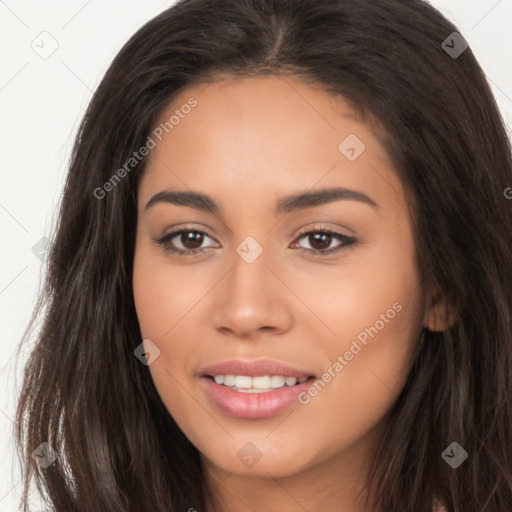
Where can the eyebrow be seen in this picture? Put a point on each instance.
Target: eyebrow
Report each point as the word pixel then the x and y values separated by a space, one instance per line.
pixel 287 204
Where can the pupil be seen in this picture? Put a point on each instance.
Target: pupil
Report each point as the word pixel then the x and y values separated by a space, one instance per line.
pixel 192 237
pixel 323 238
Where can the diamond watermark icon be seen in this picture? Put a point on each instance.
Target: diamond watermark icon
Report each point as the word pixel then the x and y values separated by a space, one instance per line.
pixel 454 45
pixel 249 249
pixel 44 455
pixel 249 454
pixel 40 248
pixel 454 455
pixel 45 45
pixel 147 352
pixel 351 147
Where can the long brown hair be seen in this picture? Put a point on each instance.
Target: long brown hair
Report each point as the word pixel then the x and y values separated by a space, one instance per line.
pixel 87 395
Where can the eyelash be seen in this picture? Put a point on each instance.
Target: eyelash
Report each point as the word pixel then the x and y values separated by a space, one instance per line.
pixel 348 242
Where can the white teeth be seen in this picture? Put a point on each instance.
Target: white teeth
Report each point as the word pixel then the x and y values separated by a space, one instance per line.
pixel 290 381
pixel 229 380
pixel 242 381
pixel 276 381
pixel 260 384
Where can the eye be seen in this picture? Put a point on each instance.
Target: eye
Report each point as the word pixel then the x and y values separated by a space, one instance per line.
pixel 320 242
pixel 184 242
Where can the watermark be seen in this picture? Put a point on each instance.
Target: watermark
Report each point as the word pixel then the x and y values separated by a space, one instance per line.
pixel 249 249
pixel 143 151
pixel 351 147
pixel 343 360
pixel 44 455
pixel 249 454
pixel 454 455
pixel 454 45
pixel 45 45
pixel 147 352
pixel 508 192
pixel 40 249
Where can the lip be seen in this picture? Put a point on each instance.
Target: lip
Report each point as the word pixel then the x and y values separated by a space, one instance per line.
pixel 252 405
pixel 257 368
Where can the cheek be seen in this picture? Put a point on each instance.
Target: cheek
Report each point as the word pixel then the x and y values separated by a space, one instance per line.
pixel 165 298
pixel 373 308
pixel 362 380
pixel 370 308
pixel 163 292
pixel 151 303
pixel 365 286
pixel 158 306
pixel 161 299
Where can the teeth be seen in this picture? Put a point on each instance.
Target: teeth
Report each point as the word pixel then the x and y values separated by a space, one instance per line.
pixel 276 381
pixel 242 381
pixel 260 384
pixel 229 380
pixel 290 381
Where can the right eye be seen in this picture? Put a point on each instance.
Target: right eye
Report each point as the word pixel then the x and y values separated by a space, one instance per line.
pixel 189 239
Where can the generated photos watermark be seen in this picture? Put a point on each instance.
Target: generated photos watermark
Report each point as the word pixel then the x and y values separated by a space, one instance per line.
pixel 343 360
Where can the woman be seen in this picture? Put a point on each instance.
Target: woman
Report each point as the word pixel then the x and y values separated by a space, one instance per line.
pixel 281 278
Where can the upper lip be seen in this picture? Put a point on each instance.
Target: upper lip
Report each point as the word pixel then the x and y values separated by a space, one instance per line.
pixel 253 369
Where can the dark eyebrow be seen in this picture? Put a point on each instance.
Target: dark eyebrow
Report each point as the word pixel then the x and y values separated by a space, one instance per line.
pixel 326 195
pixel 183 198
pixel 284 205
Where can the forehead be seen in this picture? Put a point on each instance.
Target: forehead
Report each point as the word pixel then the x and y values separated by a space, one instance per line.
pixel 264 133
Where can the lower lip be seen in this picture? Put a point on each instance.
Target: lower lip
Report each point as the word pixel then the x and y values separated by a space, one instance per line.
pixel 253 405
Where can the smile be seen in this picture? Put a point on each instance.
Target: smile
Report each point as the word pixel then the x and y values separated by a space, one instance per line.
pixel 252 402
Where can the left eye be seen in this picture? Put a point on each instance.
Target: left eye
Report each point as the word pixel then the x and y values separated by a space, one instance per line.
pixel 191 241
pixel 320 241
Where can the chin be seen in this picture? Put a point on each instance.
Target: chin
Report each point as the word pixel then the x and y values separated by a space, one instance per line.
pixel 258 456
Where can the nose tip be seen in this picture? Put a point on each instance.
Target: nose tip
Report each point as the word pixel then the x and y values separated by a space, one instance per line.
pixel 250 299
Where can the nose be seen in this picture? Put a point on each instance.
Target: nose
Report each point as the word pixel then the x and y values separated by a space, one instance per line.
pixel 251 298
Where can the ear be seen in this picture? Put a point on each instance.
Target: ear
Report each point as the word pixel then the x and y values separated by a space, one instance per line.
pixel 438 315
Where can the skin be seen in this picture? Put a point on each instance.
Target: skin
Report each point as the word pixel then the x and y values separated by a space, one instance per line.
pixel 247 143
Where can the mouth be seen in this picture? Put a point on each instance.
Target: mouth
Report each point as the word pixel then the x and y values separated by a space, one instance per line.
pixel 253 390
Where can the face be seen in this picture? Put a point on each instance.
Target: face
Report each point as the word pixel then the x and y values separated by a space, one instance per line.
pixel 300 263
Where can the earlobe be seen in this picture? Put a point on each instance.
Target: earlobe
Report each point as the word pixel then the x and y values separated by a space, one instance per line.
pixel 439 316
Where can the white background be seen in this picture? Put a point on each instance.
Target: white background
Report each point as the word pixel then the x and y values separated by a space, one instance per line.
pixel 41 103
